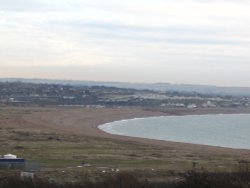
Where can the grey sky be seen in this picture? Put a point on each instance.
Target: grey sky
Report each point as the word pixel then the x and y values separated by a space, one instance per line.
pixel 177 41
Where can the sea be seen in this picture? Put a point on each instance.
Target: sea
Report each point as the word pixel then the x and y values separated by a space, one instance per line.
pixel 224 130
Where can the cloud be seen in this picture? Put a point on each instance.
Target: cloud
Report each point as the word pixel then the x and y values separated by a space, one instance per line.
pixel 174 34
pixel 24 5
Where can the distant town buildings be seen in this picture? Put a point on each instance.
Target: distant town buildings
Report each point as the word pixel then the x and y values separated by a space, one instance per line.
pixel 28 94
pixel 191 106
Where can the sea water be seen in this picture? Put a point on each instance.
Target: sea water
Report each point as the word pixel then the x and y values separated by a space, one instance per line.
pixel 225 130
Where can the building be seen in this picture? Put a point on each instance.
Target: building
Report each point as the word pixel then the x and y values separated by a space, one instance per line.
pixel 191 106
pixel 10 161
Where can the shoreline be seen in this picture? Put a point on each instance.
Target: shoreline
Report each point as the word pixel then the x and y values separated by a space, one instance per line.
pixel 85 122
pixel 108 128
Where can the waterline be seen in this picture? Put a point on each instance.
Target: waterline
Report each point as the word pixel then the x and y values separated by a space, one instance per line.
pixel 225 130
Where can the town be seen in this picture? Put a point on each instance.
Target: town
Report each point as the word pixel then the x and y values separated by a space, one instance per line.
pixel 31 94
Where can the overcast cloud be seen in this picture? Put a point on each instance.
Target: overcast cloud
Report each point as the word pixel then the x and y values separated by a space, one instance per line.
pixel 177 41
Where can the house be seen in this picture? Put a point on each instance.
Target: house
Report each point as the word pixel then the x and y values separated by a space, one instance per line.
pixel 191 106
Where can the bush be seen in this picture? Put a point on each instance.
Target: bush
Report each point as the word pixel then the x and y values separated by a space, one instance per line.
pixel 121 180
pixel 216 180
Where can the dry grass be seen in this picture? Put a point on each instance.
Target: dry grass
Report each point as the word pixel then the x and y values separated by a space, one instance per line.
pixel 60 154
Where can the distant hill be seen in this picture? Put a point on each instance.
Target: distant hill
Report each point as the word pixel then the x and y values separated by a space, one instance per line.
pixel 188 88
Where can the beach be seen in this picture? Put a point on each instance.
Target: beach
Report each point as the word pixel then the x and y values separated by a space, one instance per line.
pixel 85 122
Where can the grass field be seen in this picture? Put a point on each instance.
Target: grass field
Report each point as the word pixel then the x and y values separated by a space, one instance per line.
pixel 61 154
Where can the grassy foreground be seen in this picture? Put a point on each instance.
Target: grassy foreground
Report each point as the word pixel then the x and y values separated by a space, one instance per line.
pixel 68 157
pixel 125 180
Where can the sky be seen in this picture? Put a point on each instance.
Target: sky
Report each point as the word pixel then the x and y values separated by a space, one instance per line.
pixel 174 41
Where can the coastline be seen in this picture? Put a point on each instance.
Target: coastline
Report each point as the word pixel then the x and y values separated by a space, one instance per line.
pixel 129 130
pixel 85 122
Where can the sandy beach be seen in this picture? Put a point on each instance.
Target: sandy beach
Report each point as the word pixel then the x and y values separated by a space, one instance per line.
pixel 85 122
